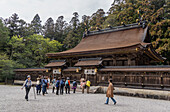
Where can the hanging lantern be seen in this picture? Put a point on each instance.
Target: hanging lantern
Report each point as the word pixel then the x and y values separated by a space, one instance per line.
pixel 59 69
pixel 137 49
pixel 95 70
pixel 77 70
pixel 46 70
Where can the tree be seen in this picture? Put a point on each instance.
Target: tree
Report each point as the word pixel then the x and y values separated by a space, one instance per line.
pixel 6 68
pixel 74 36
pixel 31 51
pixel 36 25
pixel 75 20
pixel 60 29
pixel 22 29
pixel 49 29
pixel 3 36
pixel 12 24
pixel 97 19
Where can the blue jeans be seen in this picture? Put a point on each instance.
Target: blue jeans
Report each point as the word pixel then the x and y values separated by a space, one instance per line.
pixel 107 101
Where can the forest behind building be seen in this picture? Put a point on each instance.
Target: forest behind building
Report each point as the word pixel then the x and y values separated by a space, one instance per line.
pixel 24 45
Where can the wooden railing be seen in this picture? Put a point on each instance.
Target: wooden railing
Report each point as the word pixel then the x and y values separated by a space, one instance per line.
pixel 160 81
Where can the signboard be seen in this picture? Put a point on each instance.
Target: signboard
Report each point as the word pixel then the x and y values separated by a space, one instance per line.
pixel 56 71
pixel 90 71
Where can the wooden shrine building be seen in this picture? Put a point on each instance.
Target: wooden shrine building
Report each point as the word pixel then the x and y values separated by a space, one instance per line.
pixel 123 53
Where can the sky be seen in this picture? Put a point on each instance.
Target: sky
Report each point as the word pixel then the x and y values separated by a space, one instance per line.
pixel 27 9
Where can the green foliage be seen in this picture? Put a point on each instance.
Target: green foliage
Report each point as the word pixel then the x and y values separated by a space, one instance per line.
pixel 6 67
pixel 36 26
pixel 30 51
pixel 75 34
pixel 49 29
pixel 98 19
pixel 61 29
pixel 3 36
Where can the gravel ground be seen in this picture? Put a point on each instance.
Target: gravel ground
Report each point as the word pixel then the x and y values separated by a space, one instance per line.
pixel 12 100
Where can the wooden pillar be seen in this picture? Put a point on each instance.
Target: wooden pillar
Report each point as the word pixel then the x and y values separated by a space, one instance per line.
pixel 129 61
pixel 142 76
pixel 114 60
pixel 125 79
pixel 161 80
pixel 129 58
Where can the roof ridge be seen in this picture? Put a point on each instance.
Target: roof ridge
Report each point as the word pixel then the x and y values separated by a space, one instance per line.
pixel 116 28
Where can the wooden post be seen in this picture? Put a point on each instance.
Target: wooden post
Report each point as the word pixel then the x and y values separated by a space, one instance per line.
pixel 129 59
pixel 162 80
pixel 143 79
pixel 114 60
pixel 125 80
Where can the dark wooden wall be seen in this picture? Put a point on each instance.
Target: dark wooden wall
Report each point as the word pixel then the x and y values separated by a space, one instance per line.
pixel 143 79
pixel 124 79
pixel 23 75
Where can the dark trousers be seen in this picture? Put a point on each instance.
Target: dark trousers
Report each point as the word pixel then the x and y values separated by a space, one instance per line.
pixel 27 89
pixel 44 89
pixel 74 90
pixel 53 89
pixel 68 89
pixel 38 87
pixel 61 90
pixel 57 90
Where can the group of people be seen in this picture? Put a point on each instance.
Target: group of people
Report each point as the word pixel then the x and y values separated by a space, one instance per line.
pixel 42 82
pixel 60 83
pixel 85 84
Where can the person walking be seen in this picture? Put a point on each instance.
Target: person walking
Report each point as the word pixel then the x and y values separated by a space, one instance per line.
pixel 83 85
pixel 57 86
pixel 88 86
pixel 61 86
pixel 74 86
pixel 67 85
pixel 54 84
pixel 109 93
pixel 27 84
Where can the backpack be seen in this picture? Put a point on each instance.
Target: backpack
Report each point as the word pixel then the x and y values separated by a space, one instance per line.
pixel 61 83
pixel 74 83
pixel 57 84
pixel 67 82
pixel 26 82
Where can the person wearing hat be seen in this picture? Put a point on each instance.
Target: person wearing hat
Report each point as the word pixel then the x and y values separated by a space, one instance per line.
pixel 27 84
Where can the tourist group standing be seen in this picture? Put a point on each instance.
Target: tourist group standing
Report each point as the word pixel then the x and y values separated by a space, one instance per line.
pixel 60 83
